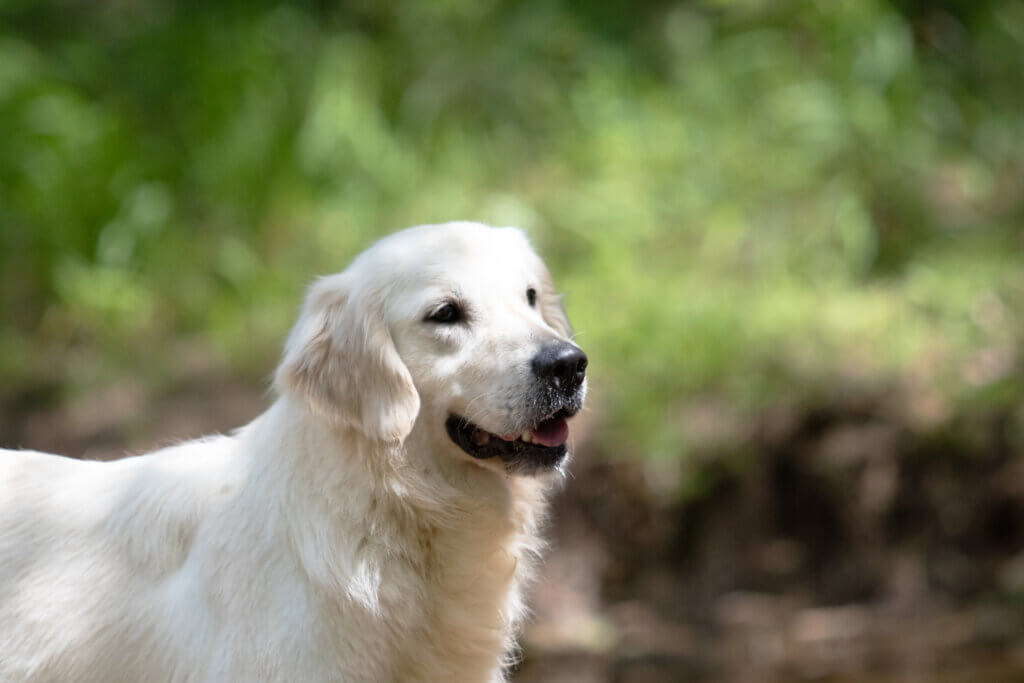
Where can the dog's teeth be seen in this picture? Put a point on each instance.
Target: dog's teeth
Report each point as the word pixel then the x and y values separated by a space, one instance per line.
pixel 480 437
pixel 527 436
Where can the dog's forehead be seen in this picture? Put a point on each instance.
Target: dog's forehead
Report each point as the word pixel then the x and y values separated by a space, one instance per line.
pixel 453 253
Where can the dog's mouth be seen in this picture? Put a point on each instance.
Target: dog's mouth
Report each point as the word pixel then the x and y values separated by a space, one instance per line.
pixel 541 447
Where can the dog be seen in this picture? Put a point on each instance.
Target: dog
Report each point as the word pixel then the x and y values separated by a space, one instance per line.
pixel 379 522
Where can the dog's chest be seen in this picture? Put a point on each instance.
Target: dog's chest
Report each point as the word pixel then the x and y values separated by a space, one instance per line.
pixel 455 602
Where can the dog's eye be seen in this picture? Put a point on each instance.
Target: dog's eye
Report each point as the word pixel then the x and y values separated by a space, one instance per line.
pixel 531 296
pixel 449 314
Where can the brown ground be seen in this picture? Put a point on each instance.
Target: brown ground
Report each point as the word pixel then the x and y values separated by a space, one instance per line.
pixel 844 550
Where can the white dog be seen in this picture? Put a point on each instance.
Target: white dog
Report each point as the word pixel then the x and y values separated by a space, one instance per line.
pixel 377 523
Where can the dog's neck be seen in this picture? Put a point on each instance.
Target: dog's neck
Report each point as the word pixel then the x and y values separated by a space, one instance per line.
pixel 445 550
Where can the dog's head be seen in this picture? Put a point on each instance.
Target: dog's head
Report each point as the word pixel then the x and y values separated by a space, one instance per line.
pixel 456 329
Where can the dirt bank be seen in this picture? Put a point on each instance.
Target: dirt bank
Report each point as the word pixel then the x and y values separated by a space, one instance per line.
pixel 838 546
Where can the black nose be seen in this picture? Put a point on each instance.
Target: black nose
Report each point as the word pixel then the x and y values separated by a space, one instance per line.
pixel 563 364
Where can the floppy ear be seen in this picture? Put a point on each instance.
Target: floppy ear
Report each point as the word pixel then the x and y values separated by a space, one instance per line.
pixel 551 308
pixel 341 359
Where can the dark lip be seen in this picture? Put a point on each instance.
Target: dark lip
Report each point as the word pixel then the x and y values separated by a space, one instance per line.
pixel 517 455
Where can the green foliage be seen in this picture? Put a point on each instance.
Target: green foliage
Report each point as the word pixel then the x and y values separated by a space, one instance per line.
pixel 757 202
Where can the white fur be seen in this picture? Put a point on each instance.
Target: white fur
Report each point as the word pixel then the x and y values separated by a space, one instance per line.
pixel 341 535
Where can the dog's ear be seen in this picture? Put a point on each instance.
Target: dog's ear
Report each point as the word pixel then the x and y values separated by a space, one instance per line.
pixel 341 359
pixel 551 308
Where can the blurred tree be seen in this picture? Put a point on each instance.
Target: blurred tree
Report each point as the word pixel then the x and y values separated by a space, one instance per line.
pixel 750 202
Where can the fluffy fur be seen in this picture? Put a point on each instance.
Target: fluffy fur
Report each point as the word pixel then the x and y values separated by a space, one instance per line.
pixel 341 535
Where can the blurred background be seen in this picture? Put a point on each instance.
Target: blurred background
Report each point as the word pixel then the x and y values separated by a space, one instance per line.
pixel 789 233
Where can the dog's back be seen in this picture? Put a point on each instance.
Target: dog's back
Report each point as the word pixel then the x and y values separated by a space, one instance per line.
pixel 181 565
pixel 90 555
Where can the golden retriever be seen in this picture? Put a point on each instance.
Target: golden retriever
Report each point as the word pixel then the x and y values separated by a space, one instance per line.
pixel 376 523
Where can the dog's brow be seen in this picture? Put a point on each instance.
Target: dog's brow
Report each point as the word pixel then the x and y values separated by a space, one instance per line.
pixel 447 292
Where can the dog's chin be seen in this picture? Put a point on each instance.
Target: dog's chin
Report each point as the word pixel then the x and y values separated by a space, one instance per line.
pixel 540 449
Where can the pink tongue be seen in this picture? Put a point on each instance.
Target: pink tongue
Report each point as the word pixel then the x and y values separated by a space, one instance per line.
pixel 553 432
